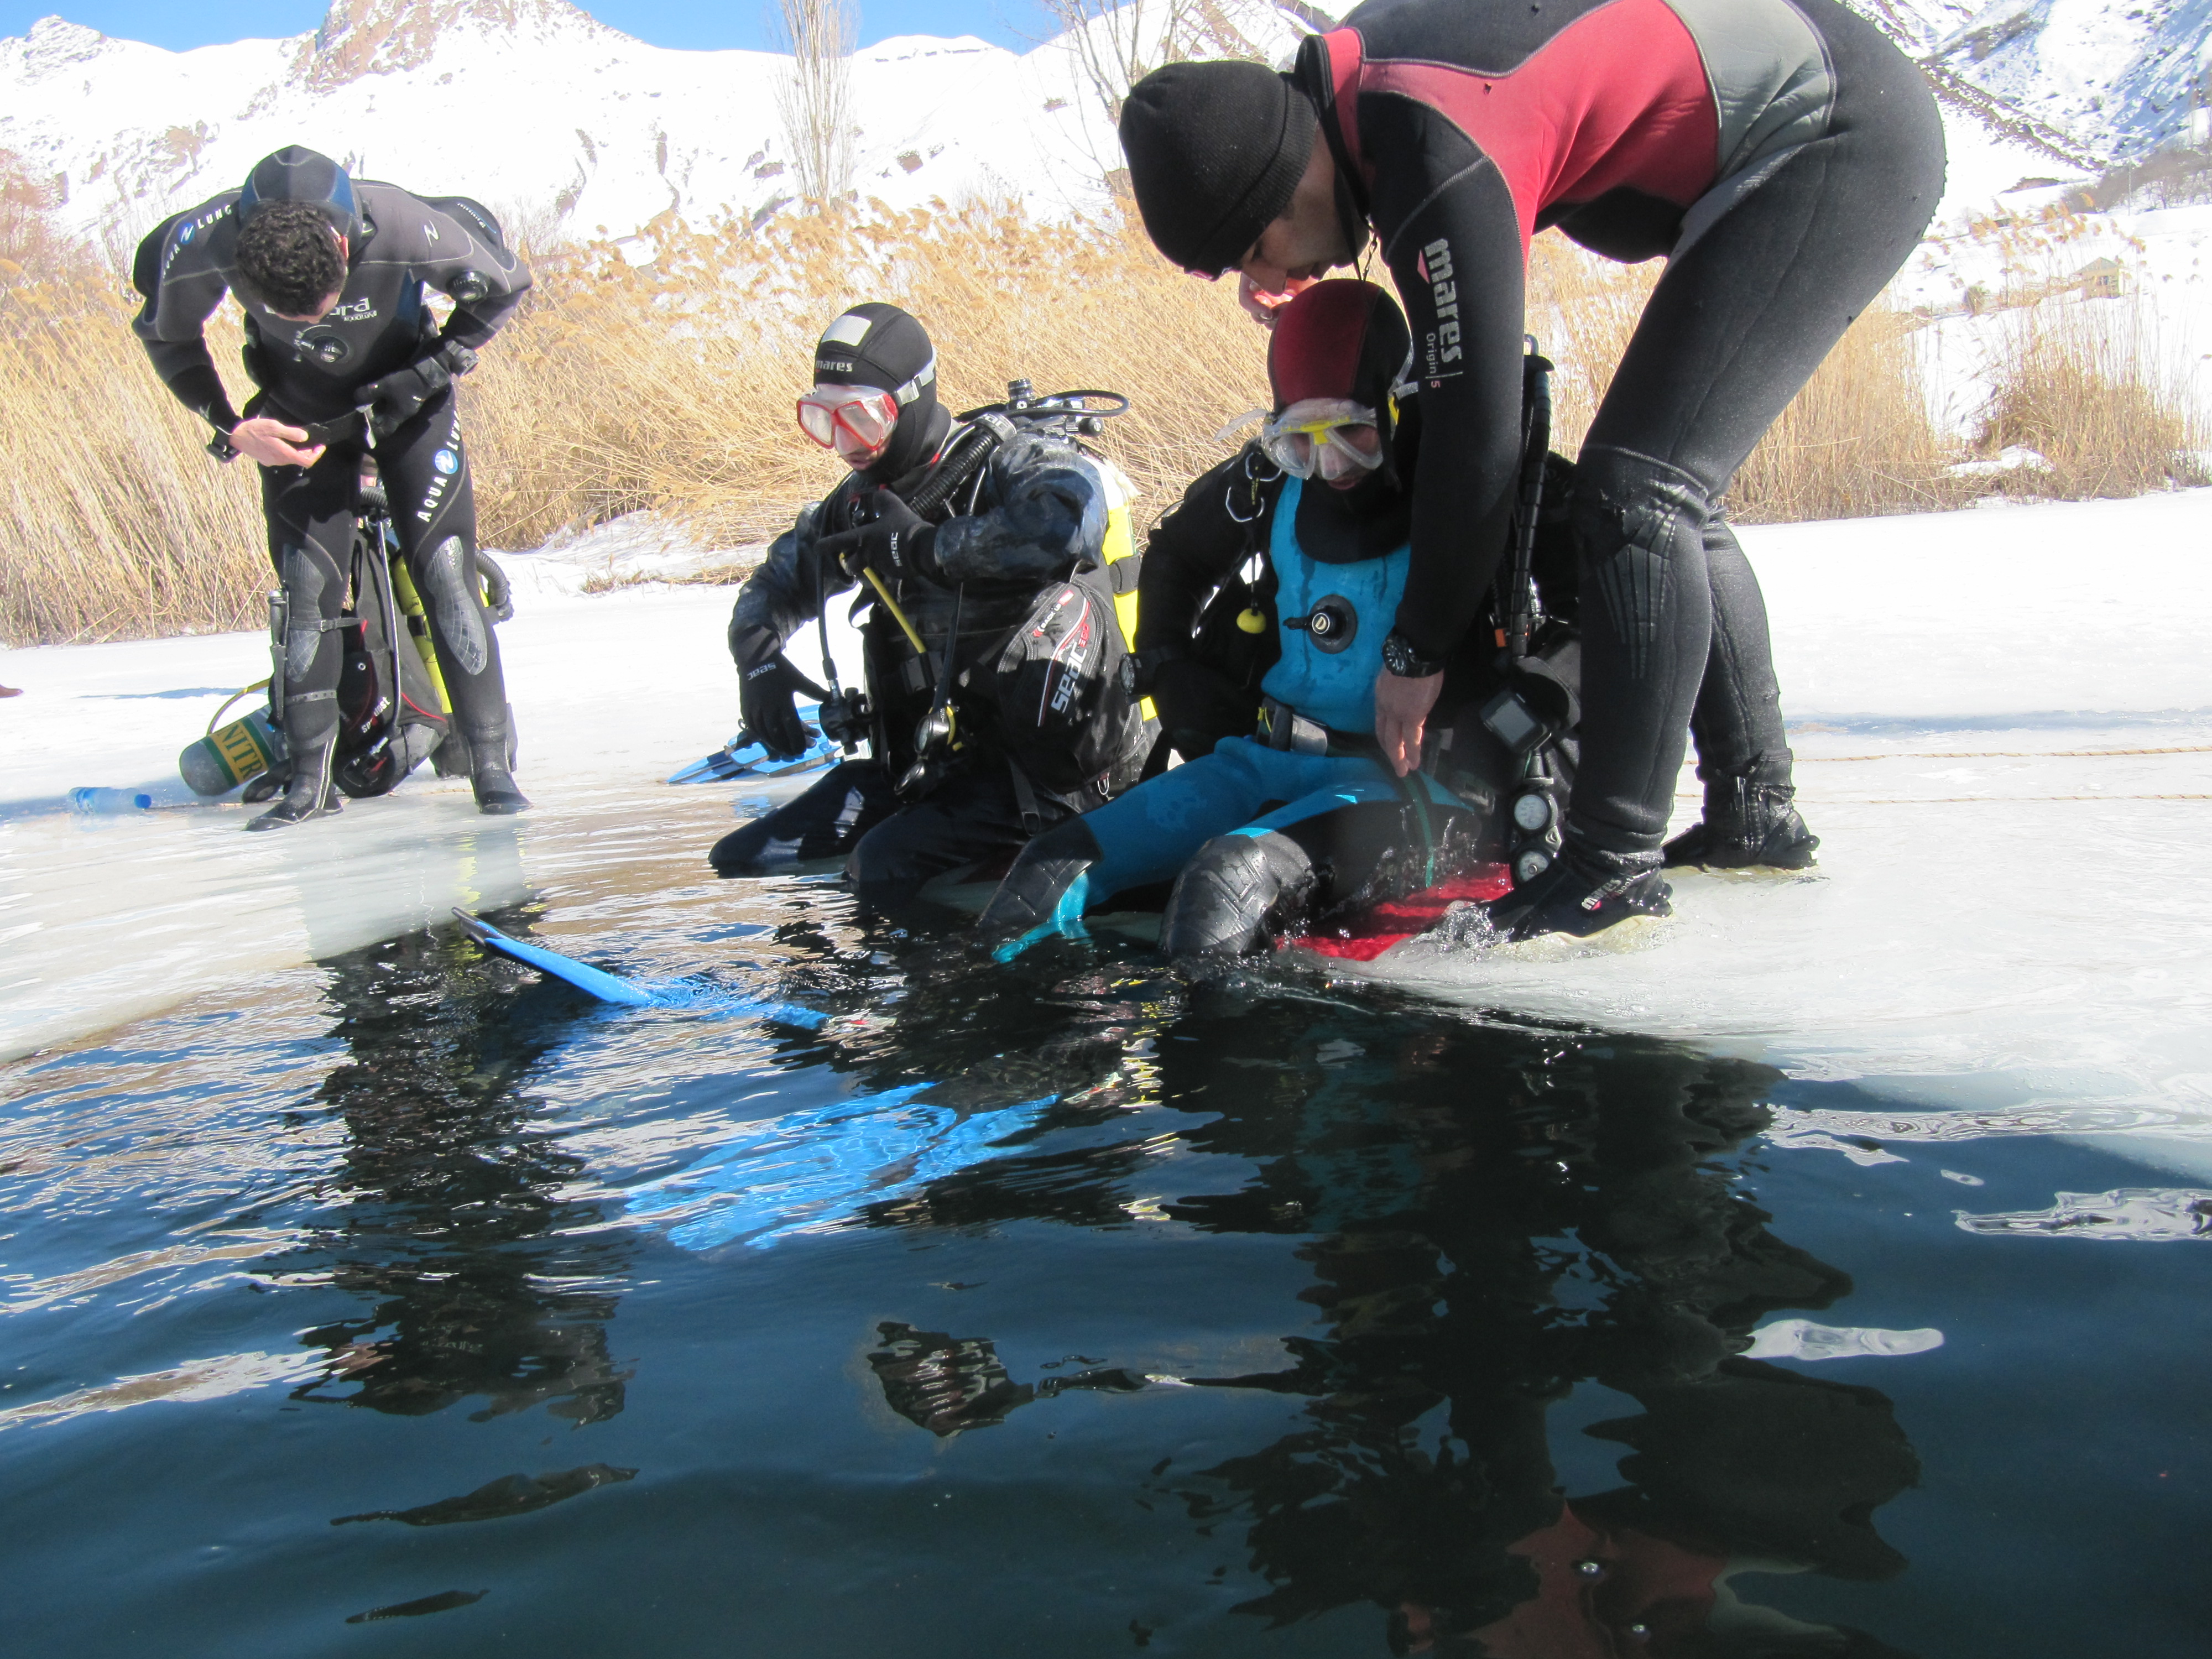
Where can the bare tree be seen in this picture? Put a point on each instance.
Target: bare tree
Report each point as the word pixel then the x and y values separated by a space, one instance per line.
pixel 817 102
pixel 1119 42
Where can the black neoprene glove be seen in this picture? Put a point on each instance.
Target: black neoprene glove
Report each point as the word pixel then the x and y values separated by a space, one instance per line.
pixel 899 543
pixel 766 686
pixel 396 399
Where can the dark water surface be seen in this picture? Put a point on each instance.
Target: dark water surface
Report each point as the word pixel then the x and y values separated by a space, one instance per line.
pixel 416 1306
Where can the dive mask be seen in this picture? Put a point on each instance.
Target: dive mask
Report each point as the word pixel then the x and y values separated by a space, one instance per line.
pixel 862 416
pixel 1331 437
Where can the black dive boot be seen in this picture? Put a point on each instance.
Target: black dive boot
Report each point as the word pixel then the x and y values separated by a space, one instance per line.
pixel 310 793
pixel 1583 893
pixel 1746 826
pixel 1043 893
pixel 496 795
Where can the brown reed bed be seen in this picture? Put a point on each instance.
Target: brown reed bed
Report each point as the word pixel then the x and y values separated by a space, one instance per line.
pixel 657 375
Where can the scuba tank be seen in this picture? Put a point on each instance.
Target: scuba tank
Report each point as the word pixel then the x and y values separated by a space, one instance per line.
pixel 230 755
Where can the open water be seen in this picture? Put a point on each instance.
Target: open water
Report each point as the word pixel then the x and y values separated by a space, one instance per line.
pixel 406 1303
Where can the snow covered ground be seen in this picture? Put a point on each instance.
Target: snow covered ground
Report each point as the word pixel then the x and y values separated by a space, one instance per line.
pixel 2007 914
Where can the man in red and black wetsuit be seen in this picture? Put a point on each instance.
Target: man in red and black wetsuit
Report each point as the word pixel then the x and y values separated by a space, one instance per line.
pixel 1784 159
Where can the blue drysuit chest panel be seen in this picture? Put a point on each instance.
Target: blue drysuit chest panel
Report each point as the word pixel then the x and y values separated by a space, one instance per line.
pixel 1335 687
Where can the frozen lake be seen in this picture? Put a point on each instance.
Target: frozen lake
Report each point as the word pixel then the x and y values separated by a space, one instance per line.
pixel 1747 1290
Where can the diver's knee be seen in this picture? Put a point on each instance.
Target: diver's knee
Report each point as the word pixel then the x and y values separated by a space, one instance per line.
pixel 449 572
pixel 1235 893
pixel 745 851
pixel 1623 499
pixel 1032 889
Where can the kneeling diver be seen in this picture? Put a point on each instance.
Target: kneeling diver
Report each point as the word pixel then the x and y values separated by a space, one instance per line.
pixel 964 532
pixel 1291 813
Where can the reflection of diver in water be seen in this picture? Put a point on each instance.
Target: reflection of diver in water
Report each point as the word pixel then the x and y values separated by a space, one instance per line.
pixel 449 1218
pixel 1478 1252
pixel 1572 1227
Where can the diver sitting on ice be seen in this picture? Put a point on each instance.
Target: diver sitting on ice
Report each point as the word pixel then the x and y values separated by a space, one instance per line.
pixel 992 553
pixel 1300 540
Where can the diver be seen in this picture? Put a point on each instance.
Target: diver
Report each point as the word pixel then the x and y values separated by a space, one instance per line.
pixel 1283 811
pixel 334 276
pixel 1782 156
pixel 970 537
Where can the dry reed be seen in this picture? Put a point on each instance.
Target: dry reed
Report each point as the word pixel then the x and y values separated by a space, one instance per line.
pixel 2082 384
pixel 1857 441
pixel 657 375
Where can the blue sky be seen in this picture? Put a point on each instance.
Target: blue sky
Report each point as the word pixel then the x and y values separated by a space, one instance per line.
pixel 694 24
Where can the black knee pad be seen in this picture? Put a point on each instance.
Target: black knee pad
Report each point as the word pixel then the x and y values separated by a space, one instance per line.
pixel 1633 518
pixel 1045 868
pixel 448 571
pixel 1235 895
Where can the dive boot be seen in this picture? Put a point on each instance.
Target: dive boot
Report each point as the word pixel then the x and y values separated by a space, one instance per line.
pixel 489 774
pixel 1746 826
pixel 1583 893
pixel 310 793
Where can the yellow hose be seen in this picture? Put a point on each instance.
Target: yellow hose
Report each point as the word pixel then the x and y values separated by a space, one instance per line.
pixel 897 615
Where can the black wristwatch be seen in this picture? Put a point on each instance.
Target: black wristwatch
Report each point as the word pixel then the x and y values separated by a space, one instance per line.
pixel 1400 657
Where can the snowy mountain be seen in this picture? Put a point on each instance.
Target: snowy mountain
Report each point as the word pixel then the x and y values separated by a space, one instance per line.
pixel 539 110
pixel 556 120
pixel 2114 80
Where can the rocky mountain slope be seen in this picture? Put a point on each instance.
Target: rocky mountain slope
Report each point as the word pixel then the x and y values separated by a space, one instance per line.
pixel 553 117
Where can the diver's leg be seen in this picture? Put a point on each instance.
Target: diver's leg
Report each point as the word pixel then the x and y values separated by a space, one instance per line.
pixel 1359 840
pixel 825 822
pixel 310 517
pixel 1733 331
pixel 971 816
pixel 1743 753
pixel 1141 836
pixel 426 474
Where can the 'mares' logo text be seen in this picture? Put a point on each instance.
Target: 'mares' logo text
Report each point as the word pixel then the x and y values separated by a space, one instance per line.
pixel 1442 341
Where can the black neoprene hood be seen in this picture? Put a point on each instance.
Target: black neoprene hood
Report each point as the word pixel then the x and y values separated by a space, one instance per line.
pixel 296 174
pixel 1216 151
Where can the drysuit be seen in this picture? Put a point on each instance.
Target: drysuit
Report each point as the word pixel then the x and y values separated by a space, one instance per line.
pixel 1782 156
pixel 1034 515
pixel 380 350
pixel 1284 810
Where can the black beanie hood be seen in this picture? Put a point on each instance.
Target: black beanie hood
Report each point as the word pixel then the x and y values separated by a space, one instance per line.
pixel 881 346
pixel 296 174
pixel 1216 151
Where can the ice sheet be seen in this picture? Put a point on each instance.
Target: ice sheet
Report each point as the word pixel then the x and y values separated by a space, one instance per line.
pixel 1999 918
pixel 108 918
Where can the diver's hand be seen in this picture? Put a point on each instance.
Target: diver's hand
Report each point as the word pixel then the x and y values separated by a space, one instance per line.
pixel 272 443
pixel 899 543
pixel 1402 709
pixel 1261 304
pixel 767 688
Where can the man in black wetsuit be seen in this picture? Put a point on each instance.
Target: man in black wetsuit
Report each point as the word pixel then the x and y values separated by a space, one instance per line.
pixel 1782 156
pixel 968 569
pixel 334 277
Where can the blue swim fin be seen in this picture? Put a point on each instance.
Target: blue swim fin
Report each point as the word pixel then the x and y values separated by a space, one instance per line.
pixel 601 984
pixel 742 757
pixel 629 994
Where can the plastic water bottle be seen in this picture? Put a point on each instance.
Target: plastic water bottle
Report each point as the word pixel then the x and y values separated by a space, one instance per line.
pixel 108 803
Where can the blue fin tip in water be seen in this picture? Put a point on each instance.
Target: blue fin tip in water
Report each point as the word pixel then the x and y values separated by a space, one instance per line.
pixel 629 994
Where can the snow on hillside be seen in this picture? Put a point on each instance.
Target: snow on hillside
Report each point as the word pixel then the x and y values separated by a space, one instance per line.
pixel 540 112
pixel 2115 80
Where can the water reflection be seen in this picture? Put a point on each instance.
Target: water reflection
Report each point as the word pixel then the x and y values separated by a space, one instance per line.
pixel 1493 1218
pixel 444 1213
